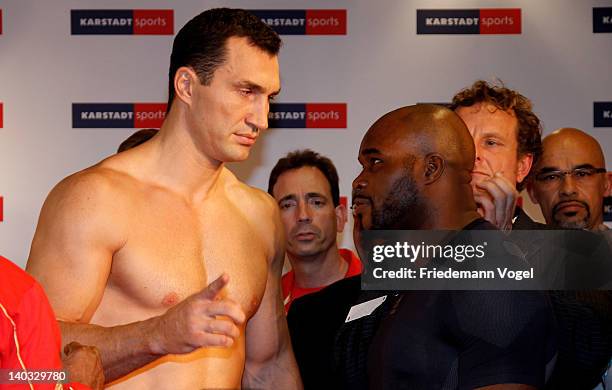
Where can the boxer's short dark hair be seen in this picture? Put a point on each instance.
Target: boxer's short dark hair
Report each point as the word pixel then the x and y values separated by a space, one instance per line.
pixel 201 43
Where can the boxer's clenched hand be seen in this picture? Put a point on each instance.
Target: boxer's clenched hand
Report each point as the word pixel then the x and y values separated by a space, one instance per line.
pixel 496 198
pixel 83 365
pixel 202 320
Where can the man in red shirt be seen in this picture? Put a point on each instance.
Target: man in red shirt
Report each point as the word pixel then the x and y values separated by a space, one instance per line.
pixel 30 338
pixel 305 185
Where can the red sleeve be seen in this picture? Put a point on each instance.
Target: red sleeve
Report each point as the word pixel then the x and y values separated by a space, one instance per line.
pixel 76 386
pixel 38 332
pixel 39 338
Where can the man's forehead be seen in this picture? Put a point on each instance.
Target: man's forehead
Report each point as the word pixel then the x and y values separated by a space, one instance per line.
pixel 252 64
pixel 568 153
pixel 308 177
pixel 568 159
pixel 384 136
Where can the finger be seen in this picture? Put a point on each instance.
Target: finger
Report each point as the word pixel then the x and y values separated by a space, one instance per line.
pixel 508 188
pixel 496 194
pixel 503 196
pixel 223 327
pixel 71 348
pixel 511 194
pixel 487 206
pixel 215 340
pixel 94 350
pixel 213 289
pixel 504 183
pixel 480 210
pixel 227 308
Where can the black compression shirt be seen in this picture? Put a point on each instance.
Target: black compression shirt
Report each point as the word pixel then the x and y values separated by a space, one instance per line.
pixel 447 339
pixel 461 340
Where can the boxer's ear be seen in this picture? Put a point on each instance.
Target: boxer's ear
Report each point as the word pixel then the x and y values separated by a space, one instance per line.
pixel 185 79
pixel 434 167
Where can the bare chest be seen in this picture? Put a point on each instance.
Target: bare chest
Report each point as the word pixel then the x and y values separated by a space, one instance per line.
pixel 173 252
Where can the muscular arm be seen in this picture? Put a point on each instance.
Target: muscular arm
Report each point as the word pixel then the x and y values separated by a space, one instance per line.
pixel 270 363
pixel 71 255
pixel 123 349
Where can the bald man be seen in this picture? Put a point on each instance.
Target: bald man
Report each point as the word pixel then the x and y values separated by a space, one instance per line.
pixel 571 181
pixel 416 172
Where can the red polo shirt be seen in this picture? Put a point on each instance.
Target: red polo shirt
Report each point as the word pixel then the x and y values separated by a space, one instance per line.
pixel 29 335
pixel 291 291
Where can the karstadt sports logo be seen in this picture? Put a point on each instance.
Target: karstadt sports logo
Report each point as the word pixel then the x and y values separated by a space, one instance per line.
pixel 469 21
pixel 307 116
pixel 305 22
pixel 602 20
pixel 118 115
pixel 122 22
pixel 602 114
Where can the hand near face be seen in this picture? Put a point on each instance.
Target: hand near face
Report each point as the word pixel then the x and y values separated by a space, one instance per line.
pixel 83 365
pixel 496 199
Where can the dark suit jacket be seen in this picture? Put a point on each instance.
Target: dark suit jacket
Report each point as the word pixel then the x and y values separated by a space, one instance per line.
pixel 583 319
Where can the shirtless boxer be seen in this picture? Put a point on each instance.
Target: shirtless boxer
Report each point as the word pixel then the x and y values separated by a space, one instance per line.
pixel 158 255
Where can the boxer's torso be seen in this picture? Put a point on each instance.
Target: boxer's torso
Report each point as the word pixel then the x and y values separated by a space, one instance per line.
pixel 175 247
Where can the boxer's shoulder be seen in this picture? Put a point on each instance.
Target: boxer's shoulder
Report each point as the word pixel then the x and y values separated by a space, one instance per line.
pixel 95 197
pixel 259 208
pixel 94 183
pixel 257 203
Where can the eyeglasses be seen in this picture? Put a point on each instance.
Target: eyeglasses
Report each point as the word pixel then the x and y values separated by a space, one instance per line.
pixel 580 175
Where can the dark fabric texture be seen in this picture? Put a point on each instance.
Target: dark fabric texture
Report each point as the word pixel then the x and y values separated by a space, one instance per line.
pixel 583 318
pixel 314 320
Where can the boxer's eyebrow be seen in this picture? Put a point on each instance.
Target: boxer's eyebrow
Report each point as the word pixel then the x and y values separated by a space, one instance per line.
pixel 369 151
pixel 256 87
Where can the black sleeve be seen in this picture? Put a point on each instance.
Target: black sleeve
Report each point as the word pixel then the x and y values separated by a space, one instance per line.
pixel 503 336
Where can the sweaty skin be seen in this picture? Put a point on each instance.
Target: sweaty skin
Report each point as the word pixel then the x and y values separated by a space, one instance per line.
pixel 162 259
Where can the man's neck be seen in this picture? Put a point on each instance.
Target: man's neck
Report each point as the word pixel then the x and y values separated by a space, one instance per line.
pixel 179 165
pixel 452 212
pixel 320 270
pixel 451 221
